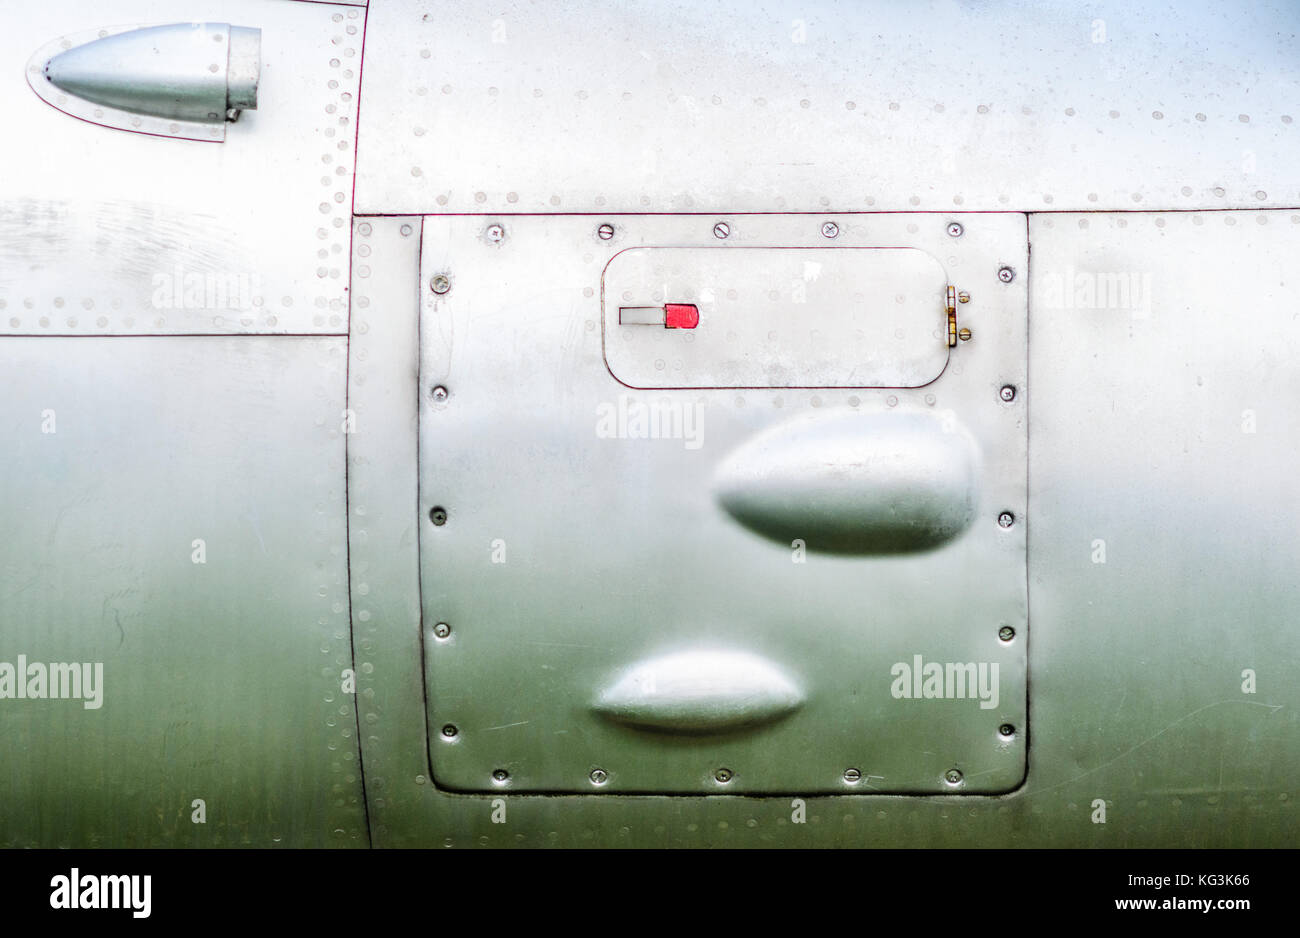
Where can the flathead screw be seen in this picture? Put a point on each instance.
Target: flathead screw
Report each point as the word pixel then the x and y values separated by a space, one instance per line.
pixel 1006 633
pixel 495 233
pixel 955 230
pixel 963 297
pixel 952 777
pixel 500 775
pixel 1006 274
pixel 450 731
pixel 1006 519
pixel 605 232
pixel 440 284
pixel 830 229
pixel 723 776
pixel 441 630
pixel 721 230
pixel 1006 729
pixel 964 334
pixel 598 777
pixel 1008 393
pixel 439 394
pixel 438 516
pixel 852 775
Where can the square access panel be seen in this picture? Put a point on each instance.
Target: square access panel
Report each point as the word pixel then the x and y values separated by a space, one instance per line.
pixel 739 514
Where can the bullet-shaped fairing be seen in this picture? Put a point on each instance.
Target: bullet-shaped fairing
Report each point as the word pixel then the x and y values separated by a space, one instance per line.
pixel 887 483
pixel 183 71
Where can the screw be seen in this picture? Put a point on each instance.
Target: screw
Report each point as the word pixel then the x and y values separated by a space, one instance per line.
pixel 438 516
pixel 495 233
pixel 1006 274
pixel 598 777
pixel 955 229
pixel 439 393
pixel 1008 393
pixel 450 731
pixel 963 297
pixel 852 775
pixel 500 775
pixel 952 776
pixel 830 229
pixel 1006 633
pixel 721 230
pixel 964 335
pixel 440 283
pixel 442 630
pixel 1006 519
pixel 723 775
pixel 605 231
pixel 1006 729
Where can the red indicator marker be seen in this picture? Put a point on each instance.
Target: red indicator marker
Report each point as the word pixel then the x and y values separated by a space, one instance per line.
pixel 681 316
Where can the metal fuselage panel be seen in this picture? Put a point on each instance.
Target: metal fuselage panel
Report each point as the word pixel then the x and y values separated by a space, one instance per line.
pixel 241 528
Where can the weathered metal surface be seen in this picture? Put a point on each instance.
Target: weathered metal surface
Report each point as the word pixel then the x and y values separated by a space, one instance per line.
pixel 1160 532
pixel 572 532
pixel 111 233
pixel 174 515
pixel 1134 711
pixel 645 106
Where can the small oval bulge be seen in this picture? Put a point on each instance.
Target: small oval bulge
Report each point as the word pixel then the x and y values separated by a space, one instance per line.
pixel 699 692
pixel 850 483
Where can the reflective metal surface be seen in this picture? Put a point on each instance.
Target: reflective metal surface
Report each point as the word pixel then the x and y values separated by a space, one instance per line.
pixel 574 533
pixel 764 615
pixel 196 551
pixel 111 233
pixel 943 105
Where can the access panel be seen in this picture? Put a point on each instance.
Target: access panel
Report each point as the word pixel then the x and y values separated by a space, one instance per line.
pixel 775 317
pixel 746 578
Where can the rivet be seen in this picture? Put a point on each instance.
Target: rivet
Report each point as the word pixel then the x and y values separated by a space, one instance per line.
pixel 605 231
pixel 450 731
pixel 1008 393
pixel 1006 519
pixel 963 297
pixel 599 776
pixel 438 516
pixel 495 233
pixel 439 393
pixel 952 776
pixel 1006 274
pixel 721 230
pixel 830 229
pixel 442 630
pixel 500 775
pixel 1006 633
pixel 1006 729
pixel 852 775
pixel 441 283
pixel 964 334
pixel 955 229
pixel 723 775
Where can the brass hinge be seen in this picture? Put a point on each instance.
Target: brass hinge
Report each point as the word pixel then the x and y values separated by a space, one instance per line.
pixel 953 299
pixel 952 316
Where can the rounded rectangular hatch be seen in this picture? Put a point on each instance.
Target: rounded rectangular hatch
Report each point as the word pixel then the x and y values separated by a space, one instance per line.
pixel 737 317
